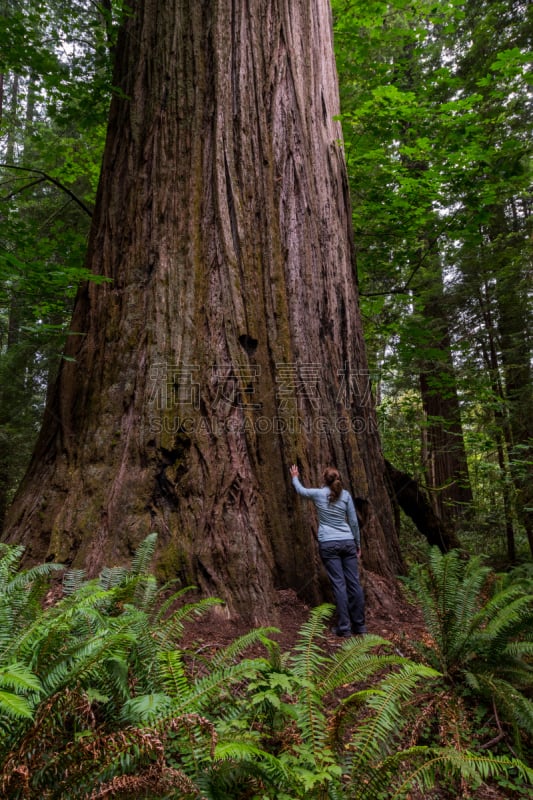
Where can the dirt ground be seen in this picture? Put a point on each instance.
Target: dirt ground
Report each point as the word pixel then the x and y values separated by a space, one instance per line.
pixel 388 614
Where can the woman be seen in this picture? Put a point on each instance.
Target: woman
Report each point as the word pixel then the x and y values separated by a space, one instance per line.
pixel 339 545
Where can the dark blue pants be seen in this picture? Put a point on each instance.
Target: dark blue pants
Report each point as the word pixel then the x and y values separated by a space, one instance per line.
pixel 340 560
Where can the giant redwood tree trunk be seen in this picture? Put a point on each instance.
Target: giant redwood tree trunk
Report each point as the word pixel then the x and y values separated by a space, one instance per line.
pixel 227 343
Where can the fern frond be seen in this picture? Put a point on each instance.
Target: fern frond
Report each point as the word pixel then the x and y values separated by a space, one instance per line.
pixel 382 776
pixel 42 641
pixel 25 578
pixel 163 607
pixel 144 554
pixel 420 767
pixel 111 577
pixel 521 576
pixel 505 617
pixel 306 662
pixel 96 759
pixel 459 591
pixel 353 662
pixel 7 628
pixel 17 676
pixel 10 557
pixel 13 706
pixel 112 680
pixel 190 741
pixel 156 780
pixel 522 651
pixel 88 598
pixel 462 764
pixel 145 593
pixel 238 646
pixel 73 580
pixel 513 704
pixel 472 577
pixel 21 599
pixel 257 762
pixel 83 662
pixel 146 709
pixel 385 703
pixel 347 713
pixel 482 629
pixel 216 687
pixel 275 657
pixel 168 632
pixel 308 657
pixel 173 677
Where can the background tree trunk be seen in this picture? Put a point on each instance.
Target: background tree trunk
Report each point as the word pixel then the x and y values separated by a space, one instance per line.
pixel 446 466
pixel 514 326
pixel 414 501
pixel 227 343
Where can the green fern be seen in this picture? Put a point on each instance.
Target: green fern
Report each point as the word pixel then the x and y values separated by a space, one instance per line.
pixel 144 554
pixel 308 656
pixel 237 760
pixel 173 676
pixel 386 702
pixel 460 766
pixel 73 580
pixel 306 663
pixel 168 625
pixel 421 768
pixel 227 655
pixel 482 633
pixel 359 756
pixel 22 593
pixel 297 692
pixel 356 661
pixel 101 699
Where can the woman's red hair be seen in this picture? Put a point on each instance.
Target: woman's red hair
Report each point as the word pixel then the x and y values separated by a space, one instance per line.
pixel 332 479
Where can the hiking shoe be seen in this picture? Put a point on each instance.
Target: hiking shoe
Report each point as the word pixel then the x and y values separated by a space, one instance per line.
pixel 342 634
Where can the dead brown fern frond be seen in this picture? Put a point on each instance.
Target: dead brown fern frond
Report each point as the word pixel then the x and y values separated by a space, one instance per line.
pixel 158 778
pixel 55 718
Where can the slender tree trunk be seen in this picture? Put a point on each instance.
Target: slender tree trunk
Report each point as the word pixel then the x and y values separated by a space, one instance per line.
pixel 2 82
pixel 14 387
pixel 13 112
pixel 227 343
pixel 9 392
pixel 4 5
pixel 514 326
pixel 502 434
pixel 446 465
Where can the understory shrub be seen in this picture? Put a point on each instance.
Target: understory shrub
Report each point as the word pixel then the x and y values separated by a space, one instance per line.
pixel 99 699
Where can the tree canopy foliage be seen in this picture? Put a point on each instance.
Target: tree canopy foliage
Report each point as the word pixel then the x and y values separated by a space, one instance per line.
pixel 55 68
pixel 437 118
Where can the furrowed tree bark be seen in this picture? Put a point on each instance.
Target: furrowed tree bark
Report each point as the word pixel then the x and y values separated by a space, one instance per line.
pixel 227 343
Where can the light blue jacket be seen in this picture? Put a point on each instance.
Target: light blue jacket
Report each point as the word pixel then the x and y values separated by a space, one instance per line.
pixel 335 520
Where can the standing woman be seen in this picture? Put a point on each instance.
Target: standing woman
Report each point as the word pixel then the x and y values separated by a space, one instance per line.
pixel 339 545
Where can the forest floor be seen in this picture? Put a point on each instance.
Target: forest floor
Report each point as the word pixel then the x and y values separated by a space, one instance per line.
pixel 389 615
